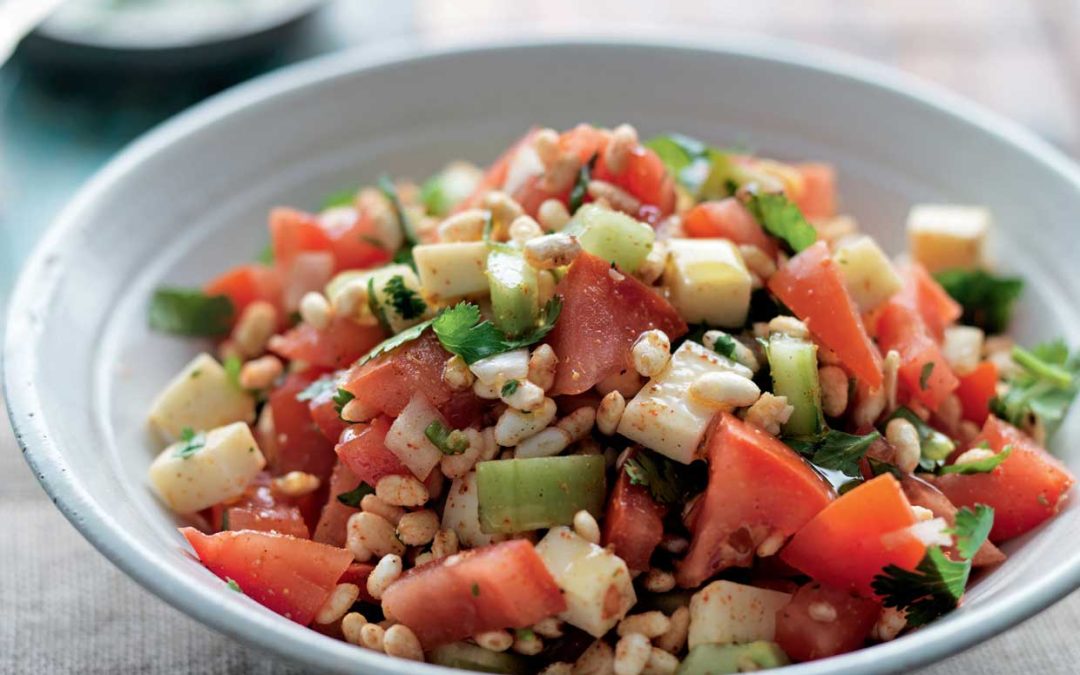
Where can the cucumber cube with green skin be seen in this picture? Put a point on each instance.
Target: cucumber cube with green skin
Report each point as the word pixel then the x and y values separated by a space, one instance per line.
pixel 518 495
pixel 612 235
pixel 794 367
pixel 515 291
pixel 446 189
pixel 466 656
pixel 710 659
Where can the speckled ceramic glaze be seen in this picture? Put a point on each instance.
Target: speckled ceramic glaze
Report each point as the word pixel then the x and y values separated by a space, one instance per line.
pixel 190 199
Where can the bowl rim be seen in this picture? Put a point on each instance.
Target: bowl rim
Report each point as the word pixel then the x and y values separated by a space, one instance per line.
pixel 39 275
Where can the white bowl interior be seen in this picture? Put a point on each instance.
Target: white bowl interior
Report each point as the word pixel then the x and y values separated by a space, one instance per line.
pixel 191 201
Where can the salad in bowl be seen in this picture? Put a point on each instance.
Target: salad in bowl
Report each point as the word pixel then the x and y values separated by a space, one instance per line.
pixel 609 405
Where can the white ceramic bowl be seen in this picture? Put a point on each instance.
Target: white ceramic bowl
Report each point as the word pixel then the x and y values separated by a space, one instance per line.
pixel 190 199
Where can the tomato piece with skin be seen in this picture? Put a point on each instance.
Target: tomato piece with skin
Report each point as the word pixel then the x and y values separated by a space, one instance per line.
pixel 260 509
pixel 813 286
pixel 245 284
pixel 854 538
pixel 924 374
pixel 1025 490
pixel 817 200
pixel 338 345
pixel 757 487
pixel 495 176
pixel 290 576
pixel 354 240
pixel 804 638
pixel 505 585
pixel 633 523
pixel 387 383
pixel 645 177
pixel 937 309
pixel 728 219
pixel 300 444
pixel 604 312
pixel 334 517
pixel 324 410
pixel 358 574
pixel 921 493
pixel 293 232
pixel 975 391
pixel 363 449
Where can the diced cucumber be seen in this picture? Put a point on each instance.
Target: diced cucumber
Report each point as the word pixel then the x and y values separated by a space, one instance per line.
pixel 725 612
pixel 466 656
pixel 664 602
pixel 515 291
pixel 443 191
pixel 794 366
pixel 712 659
pixel 612 235
pixel 517 495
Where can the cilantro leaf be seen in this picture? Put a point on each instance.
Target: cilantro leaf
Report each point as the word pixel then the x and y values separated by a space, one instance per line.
pixel 836 450
pixel 668 482
pixel 189 311
pixel 980 466
pixel 509 388
pixel 937 583
pixel 375 307
pixel 191 443
pixel 266 255
pixel 461 331
pixel 353 497
pixel 389 190
pixel 405 301
pixel 934 446
pixel 581 185
pixel 341 399
pixel 449 442
pixel 1045 389
pixel 781 218
pixel 925 373
pixel 393 342
pixel 233 586
pixel 987 299
pixel 344 197
pixel 706 172
pixel 725 346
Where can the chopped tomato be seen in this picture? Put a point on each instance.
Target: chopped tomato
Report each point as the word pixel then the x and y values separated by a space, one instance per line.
pixel 583 141
pixel 804 637
pixel 976 390
pixel 849 542
pixel 260 509
pixel 633 523
pixel 757 487
pixel 924 373
pixel 338 345
pixel 500 586
pixel 290 576
pixel 921 493
pixel 355 242
pixel 300 444
pixel 813 286
pixel 603 314
pixel 293 232
pixel 937 308
pixel 818 197
pixel 386 384
pixel 245 284
pixel 495 176
pixel 646 178
pixel 363 449
pixel 1026 489
pixel 728 219
pixel 335 515
pixel 324 409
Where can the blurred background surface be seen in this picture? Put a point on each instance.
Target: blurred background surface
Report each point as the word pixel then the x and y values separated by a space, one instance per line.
pixel 66 109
